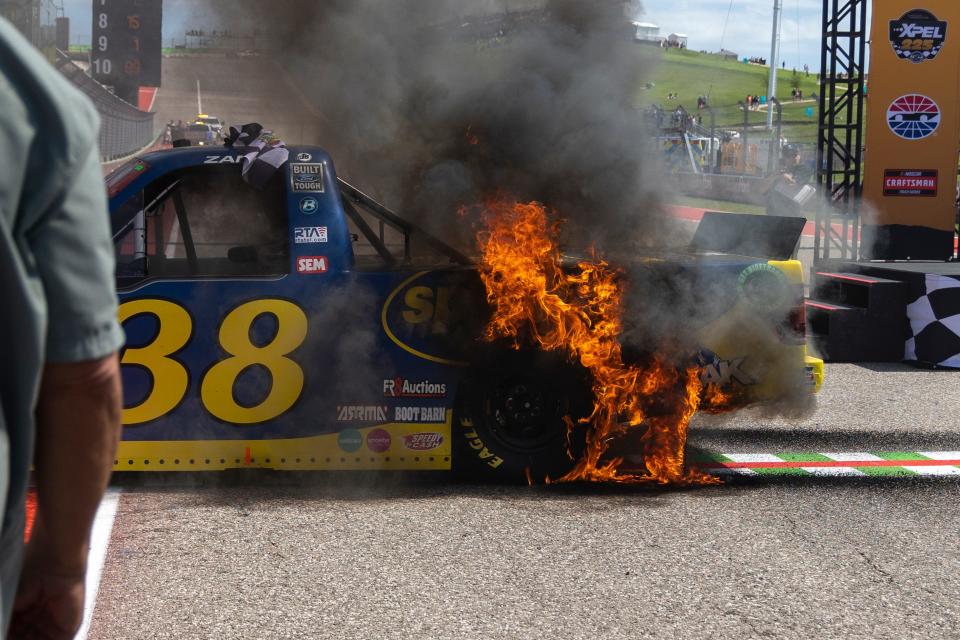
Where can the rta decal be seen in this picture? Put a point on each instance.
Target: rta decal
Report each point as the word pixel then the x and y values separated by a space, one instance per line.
pixel 310 235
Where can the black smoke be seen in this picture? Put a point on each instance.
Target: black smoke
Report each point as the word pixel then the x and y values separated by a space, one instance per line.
pixel 436 104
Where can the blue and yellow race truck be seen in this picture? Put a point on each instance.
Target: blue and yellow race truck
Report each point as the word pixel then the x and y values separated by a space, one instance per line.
pixel 305 326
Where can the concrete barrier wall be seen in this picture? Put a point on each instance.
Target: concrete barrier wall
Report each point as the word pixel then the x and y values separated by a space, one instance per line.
pixel 124 129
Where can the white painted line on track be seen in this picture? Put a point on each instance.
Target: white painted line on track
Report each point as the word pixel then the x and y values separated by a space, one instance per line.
pixel 199 101
pixel 752 457
pixel 934 470
pixel 852 457
pixel 833 472
pixel 941 455
pixel 99 540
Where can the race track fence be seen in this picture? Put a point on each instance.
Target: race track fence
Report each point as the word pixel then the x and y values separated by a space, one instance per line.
pixel 124 129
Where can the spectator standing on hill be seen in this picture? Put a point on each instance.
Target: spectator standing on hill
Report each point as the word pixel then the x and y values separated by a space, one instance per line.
pixel 60 400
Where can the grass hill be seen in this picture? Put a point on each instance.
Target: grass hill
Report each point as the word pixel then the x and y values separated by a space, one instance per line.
pixel 690 74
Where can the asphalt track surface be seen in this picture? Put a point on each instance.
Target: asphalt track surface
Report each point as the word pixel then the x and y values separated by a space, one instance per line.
pixel 269 555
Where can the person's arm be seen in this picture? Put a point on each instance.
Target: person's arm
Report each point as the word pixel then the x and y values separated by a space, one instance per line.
pixel 78 425
pixel 79 405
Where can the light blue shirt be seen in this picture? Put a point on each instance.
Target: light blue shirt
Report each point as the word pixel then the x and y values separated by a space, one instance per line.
pixel 57 298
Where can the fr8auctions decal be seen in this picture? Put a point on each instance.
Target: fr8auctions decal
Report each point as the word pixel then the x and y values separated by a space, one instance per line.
pixel 170 376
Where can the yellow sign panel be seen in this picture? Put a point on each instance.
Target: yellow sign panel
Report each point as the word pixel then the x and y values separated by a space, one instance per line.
pixel 913 129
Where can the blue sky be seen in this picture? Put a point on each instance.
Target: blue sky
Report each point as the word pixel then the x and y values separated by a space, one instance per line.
pixel 747 30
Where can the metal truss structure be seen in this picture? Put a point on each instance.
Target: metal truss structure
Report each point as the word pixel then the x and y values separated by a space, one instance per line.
pixel 843 76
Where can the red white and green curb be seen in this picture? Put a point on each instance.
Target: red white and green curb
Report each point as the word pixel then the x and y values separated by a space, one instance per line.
pixel 827 464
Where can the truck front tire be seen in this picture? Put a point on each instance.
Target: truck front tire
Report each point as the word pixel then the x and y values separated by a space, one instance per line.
pixel 510 418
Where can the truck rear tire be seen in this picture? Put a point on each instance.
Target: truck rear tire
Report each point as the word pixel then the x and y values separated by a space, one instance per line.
pixel 508 419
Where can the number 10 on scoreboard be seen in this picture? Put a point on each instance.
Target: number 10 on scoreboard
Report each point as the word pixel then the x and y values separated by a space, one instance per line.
pixel 126 44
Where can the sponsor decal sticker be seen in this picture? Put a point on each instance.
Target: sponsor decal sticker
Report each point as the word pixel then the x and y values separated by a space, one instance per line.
pixel 309 206
pixel 362 413
pixel 722 372
pixel 309 235
pixel 420 414
pixel 350 440
pixel 310 265
pixel 476 443
pixel 918 36
pixel 764 286
pixel 910 182
pixel 304 157
pixel 913 116
pixel 307 177
pixel 222 159
pixel 423 441
pixel 404 388
pixel 378 440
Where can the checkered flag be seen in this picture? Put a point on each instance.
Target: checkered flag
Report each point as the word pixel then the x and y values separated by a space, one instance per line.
pixel 935 323
pixel 263 153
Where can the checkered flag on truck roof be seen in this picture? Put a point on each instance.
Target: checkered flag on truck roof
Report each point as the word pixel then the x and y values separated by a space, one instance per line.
pixel 263 153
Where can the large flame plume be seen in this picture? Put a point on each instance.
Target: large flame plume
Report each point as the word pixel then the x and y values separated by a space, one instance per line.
pixel 576 309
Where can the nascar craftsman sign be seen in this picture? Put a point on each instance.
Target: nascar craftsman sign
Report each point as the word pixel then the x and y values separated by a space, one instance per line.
pixel 900 182
pixel 913 129
pixel 918 36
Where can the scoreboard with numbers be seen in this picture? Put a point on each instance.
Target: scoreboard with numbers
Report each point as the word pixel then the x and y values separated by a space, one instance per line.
pixel 126 43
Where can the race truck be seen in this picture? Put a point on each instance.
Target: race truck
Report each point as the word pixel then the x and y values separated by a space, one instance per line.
pixel 305 326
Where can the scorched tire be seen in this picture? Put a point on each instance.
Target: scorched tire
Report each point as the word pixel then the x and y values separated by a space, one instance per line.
pixel 508 421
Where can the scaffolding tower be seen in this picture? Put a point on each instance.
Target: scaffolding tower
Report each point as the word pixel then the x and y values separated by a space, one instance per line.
pixel 843 77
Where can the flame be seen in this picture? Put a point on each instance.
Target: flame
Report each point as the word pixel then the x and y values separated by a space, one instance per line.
pixel 578 311
pixel 472 138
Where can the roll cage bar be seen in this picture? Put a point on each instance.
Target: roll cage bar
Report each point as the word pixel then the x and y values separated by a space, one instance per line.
pixel 351 198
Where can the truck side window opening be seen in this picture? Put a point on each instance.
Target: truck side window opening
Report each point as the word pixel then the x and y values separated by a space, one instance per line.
pixel 228 229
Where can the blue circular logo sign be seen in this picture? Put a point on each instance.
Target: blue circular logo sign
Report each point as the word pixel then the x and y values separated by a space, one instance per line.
pixel 350 440
pixel 309 206
pixel 913 116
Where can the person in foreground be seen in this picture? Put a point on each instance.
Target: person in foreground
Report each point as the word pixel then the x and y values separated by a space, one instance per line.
pixel 60 399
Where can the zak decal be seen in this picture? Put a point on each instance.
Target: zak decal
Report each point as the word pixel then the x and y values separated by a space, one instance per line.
pixel 222 159
pixel 918 36
pixel 913 116
pixel 307 177
pixel 910 182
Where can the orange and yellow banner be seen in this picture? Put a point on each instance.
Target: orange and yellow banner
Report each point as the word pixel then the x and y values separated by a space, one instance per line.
pixel 913 130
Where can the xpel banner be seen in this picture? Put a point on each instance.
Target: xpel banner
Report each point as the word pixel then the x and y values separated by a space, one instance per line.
pixel 913 130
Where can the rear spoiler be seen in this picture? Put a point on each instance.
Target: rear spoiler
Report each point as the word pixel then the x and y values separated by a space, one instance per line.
pixel 759 236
